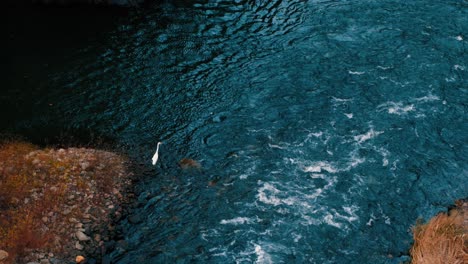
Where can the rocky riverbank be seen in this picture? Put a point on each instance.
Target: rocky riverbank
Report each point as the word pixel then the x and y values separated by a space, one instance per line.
pixel 58 204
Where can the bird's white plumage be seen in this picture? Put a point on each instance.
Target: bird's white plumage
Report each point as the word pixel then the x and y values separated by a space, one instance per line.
pixel 156 155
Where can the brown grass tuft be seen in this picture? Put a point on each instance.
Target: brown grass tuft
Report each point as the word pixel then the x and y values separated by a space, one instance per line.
pixel 443 240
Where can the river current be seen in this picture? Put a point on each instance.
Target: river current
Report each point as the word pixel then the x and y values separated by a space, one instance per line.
pixel 324 128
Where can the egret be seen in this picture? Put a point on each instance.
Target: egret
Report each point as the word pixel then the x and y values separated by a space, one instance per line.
pixel 156 155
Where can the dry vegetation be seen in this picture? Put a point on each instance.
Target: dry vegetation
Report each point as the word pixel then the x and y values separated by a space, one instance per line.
pixel 443 240
pixel 44 194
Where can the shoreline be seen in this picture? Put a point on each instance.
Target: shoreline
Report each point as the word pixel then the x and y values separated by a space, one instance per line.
pixel 60 203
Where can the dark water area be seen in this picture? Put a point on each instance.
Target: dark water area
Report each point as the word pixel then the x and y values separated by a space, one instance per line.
pixel 40 40
pixel 328 127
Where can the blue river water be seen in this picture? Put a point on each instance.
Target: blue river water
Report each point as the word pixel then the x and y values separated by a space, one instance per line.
pixel 324 128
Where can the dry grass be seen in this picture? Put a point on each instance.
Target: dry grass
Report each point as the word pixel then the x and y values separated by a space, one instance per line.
pixel 37 183
pixel 443 240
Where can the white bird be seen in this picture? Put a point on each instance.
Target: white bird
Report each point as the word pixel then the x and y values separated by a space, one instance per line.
pixel 156 155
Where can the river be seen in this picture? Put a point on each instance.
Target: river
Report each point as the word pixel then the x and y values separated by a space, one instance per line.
pixel 324 128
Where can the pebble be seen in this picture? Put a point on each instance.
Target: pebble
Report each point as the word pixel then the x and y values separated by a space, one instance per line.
pixel 78 246
pixel 81 236
pixel 55 261
pixel 79 259
pixel 135 219
pixel 91 261
pixel 84 165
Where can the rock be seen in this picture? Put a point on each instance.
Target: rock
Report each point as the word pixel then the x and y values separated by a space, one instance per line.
pixel 97 237
pixel 91 261
pixel 109 245
pixel 55 261
pixel 79 259
pixel 189 163
pixel 86 216
pixel 81 236
pixel 78 246
pixel 45 261
pixel 122 244
pixel 3 255
pixel 85 165
pixel 135 219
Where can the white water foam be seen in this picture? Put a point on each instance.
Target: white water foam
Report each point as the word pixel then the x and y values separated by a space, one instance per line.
pixel 266 194
pixel 262 256
pixel 320 166
pixel 384 153
pixel 369 135
pixel 356 72
pixel 329 219
pixel 237 221
pixel 396 108
pixel 427 98
pixel 276 146
pixel 383 67
pixel 339 100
